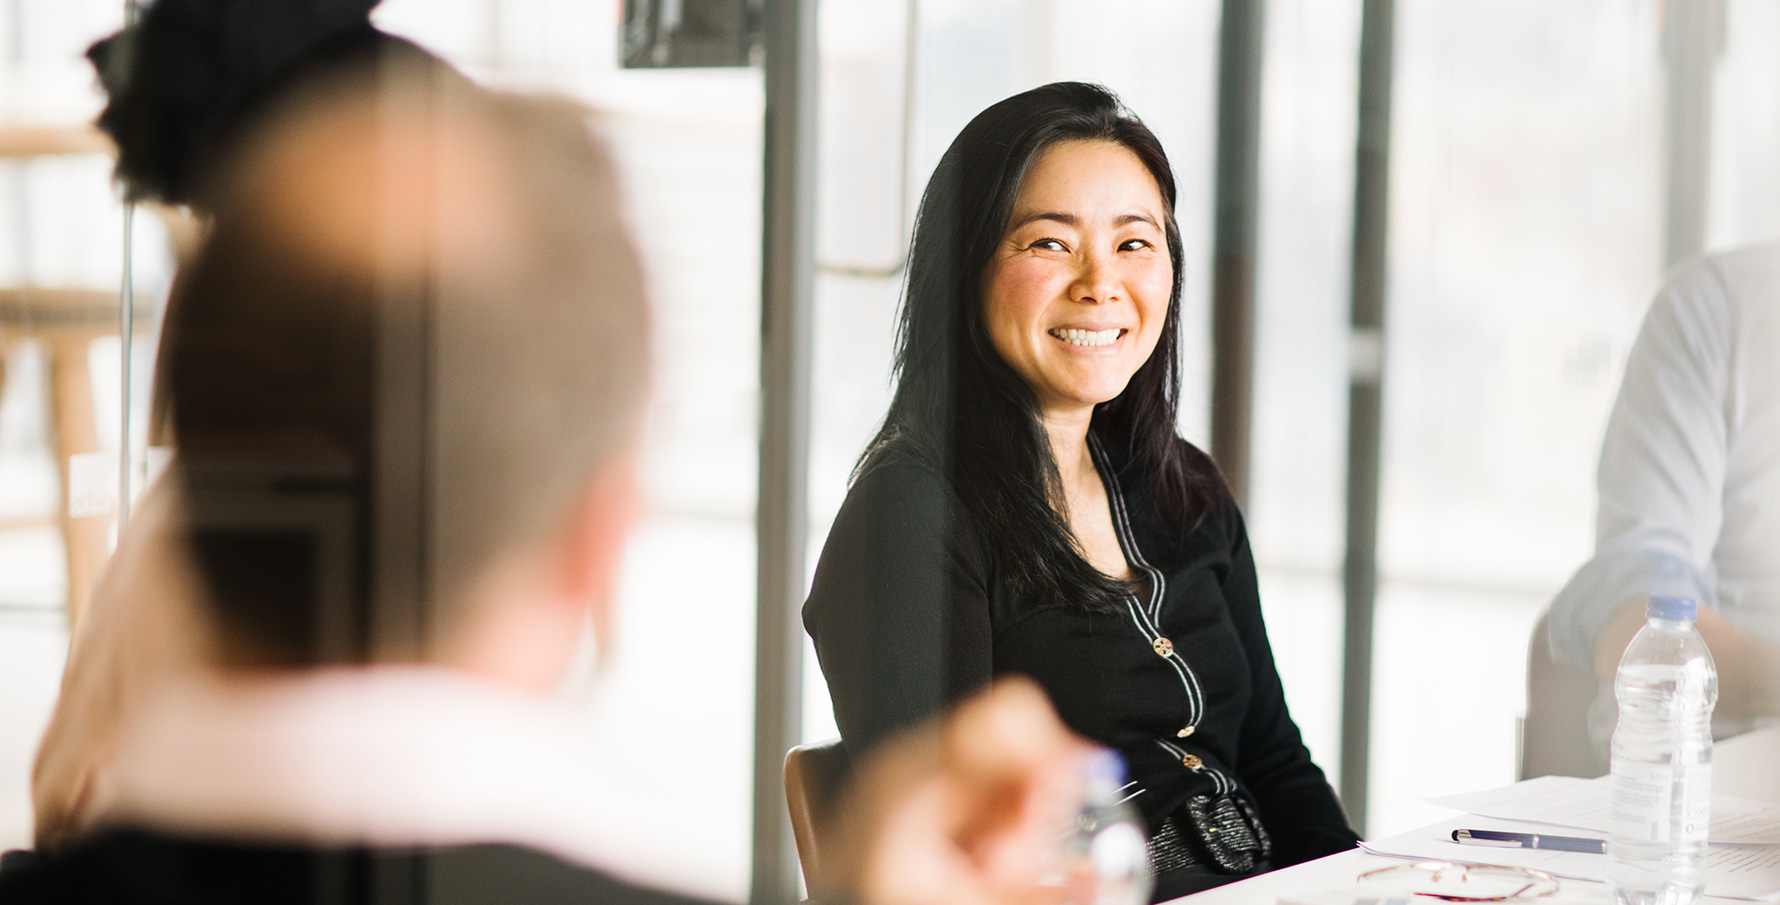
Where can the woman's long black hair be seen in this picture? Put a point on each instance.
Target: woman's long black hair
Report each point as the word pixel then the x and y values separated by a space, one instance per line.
pixel 961 408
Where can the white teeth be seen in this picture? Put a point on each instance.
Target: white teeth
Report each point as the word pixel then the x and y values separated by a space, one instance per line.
pixel 1089 337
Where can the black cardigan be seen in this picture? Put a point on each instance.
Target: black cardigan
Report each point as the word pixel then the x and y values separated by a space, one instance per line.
pixel 908 614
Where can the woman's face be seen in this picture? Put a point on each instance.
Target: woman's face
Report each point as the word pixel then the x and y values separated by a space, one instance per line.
pixel 1077 291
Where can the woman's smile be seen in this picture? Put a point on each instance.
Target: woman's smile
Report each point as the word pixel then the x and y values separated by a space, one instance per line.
pixel 1088 338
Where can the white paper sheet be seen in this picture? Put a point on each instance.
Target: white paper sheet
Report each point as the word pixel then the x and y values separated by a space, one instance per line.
pixel 1732 871
pixel 1582 803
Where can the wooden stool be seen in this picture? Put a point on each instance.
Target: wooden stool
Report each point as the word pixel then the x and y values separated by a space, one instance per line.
pixel 64 322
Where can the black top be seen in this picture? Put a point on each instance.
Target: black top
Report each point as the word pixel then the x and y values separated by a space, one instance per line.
pixel 136 867
pixel 908 613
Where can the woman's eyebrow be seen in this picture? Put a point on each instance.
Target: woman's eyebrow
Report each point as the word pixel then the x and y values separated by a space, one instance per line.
pixel 1072 220
pixel 1057 216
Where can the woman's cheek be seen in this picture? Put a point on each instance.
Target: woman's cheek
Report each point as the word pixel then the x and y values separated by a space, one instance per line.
pixel 1024 284
pixel 1157 284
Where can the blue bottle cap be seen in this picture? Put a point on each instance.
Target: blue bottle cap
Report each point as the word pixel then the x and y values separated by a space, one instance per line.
pixel 1104 768
pixel 1669 606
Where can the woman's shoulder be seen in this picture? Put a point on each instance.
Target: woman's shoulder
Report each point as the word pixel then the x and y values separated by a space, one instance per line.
pixel 900 489
pixel 894 464
pixel 899 521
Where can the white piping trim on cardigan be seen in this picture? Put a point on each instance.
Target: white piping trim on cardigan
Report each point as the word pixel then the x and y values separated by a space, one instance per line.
pixel 1148 623
pixel 1147 620
pixel 1136 790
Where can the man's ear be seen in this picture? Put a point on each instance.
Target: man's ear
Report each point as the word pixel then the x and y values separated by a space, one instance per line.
pixel 594 550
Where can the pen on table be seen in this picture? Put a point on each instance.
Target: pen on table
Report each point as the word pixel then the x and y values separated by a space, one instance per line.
pixel 1530 840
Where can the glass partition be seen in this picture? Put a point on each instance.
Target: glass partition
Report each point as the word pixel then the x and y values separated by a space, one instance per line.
pixel 1525 229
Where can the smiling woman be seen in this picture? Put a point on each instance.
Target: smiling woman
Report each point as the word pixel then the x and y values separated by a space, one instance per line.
pixel 1028 507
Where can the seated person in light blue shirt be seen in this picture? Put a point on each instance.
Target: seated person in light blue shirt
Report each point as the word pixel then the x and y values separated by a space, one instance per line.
pixel 1689 491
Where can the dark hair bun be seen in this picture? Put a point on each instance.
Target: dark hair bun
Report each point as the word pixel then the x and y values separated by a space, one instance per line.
pixel 183 79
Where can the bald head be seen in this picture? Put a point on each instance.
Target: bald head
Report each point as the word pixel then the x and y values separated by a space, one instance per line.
pixel 407 167
pixel 417 332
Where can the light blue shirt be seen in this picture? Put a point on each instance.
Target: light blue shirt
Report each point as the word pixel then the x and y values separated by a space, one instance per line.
pixel 1689 478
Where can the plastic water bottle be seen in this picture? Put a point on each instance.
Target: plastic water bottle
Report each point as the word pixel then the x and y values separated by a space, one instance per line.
pixel 1662 760
pixel 1105 850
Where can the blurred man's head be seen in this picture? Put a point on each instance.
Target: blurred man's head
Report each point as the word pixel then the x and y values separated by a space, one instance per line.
pixel 406 374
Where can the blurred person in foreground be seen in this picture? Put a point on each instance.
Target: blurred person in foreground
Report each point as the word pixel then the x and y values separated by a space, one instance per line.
pixel 1688 504
pixel 185 86
pixel 407 373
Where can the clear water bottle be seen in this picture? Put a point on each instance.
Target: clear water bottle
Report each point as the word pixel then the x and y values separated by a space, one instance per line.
pixel 1105 852
pixel 1662 760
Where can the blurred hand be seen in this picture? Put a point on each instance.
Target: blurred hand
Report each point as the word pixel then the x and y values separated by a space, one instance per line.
pixel 1748 667
pixel 964 811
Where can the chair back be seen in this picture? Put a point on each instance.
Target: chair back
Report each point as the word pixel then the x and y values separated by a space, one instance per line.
pixel 814 774
pixel 1555 737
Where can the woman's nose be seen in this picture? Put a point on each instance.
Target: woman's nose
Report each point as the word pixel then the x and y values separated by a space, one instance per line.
pixel 1096 280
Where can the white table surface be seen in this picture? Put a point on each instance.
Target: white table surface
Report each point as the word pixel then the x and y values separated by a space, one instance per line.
pixel 1747 766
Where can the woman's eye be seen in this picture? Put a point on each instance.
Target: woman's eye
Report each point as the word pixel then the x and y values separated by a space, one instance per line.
pixel 1047 245
pixel 1134 245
